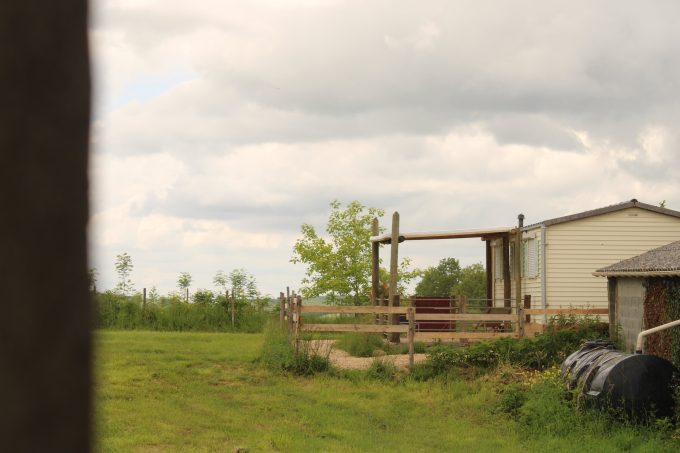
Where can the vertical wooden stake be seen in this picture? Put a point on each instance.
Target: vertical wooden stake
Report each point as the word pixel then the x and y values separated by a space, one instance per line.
pixel 411 334
pixel 375 267
pixel 518 272
pixel 527 304
pixel 282 309
pixel 289 313
pixel 394 267
pixel 233 308
pixel 144 298
pixel 298 322
pixel 187 296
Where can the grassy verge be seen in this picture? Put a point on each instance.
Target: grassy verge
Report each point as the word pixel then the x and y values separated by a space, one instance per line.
pixel 158 391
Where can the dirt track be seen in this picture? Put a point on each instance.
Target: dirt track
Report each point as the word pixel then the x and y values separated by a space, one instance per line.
pixel 342 359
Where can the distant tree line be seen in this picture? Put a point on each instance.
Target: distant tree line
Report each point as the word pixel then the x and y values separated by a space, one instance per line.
pixel 124 307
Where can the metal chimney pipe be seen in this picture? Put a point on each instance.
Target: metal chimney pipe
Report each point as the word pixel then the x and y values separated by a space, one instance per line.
pixel 520 218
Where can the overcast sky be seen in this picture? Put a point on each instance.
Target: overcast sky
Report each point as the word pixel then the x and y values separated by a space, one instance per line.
pixel 221 126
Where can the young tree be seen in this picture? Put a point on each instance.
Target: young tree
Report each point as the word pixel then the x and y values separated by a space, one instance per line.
pixel 339 267
pixel 124 269
pixel 243 285
pixel 153 295
pixel 183 282
pixel 439 280
pixel 221 280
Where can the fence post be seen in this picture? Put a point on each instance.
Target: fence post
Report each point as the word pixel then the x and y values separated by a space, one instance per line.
pixel 289 313
pixel 394 275
pixel 520 321
pixel 144 299
pixel 282 309
pixel 375 268
pixel 527 304
pixel 233 308
pixel 298 322
pixel 411 334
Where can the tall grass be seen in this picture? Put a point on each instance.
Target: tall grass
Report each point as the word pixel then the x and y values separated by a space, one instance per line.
pixel 172 314
pixel 278 354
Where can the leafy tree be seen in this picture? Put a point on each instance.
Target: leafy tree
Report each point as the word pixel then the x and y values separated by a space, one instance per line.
pixel 243 285
pixel 204 296
pixel 124 269
pixel 221 280
pixel 439 280
pixel 184 282
pixel 153 295
pixel 472 282
pixel 339 266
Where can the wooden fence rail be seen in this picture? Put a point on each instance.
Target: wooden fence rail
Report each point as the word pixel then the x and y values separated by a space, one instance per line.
pixel 501 324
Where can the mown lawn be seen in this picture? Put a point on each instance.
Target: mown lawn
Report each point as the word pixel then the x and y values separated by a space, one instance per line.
pixel 159 391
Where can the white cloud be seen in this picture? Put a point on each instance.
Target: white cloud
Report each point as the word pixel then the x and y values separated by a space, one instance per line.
pixel 223 126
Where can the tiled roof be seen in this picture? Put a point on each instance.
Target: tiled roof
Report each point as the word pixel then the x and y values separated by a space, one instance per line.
pixel 661 261
pixel 607 209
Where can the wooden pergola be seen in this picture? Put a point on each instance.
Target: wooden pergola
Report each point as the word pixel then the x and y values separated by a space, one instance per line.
pixel 507 234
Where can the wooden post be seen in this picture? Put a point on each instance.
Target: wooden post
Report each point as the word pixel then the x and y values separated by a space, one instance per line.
pixel 289 313
pixel 298 322
pixel 527 305
pixel 282 309
pixel 375 267
pixel 233 308
pixel 394 277
pixel 411 334
pixel 144 298
pixel 518 271
pixel 489 274
pixel 187 296
pixel 507 292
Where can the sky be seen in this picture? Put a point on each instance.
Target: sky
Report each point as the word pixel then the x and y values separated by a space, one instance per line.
pixel 220 127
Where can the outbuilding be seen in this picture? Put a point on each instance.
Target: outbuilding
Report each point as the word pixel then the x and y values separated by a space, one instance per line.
pixel 644 292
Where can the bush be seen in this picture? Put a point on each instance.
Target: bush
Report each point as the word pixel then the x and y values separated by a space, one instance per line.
pixel 542 351
pixel 381 370
pixel 512 398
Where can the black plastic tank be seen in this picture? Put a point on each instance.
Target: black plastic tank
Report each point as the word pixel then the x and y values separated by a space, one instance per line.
pixel 635 384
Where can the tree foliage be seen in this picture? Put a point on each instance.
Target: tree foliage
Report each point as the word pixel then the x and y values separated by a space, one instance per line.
pixel 243 285
pixel 439 280
pixel 183 283
pixel 124 269
pixel 338 267
pixel 472 282
pixel 449 279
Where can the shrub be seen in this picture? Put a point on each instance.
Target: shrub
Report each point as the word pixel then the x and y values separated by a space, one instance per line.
pixel 544 350
pixel 381 370
pixel 512 398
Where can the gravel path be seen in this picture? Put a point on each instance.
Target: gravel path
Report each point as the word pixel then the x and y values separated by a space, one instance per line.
pixel 342 359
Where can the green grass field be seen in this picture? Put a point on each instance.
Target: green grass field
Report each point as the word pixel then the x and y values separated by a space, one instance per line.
pixel 193 392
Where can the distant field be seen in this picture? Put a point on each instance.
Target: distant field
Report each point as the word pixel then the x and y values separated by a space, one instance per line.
pixel 194 392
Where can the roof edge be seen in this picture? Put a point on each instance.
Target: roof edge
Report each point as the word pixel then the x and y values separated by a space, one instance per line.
pixel 605 210
pixel 673 273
